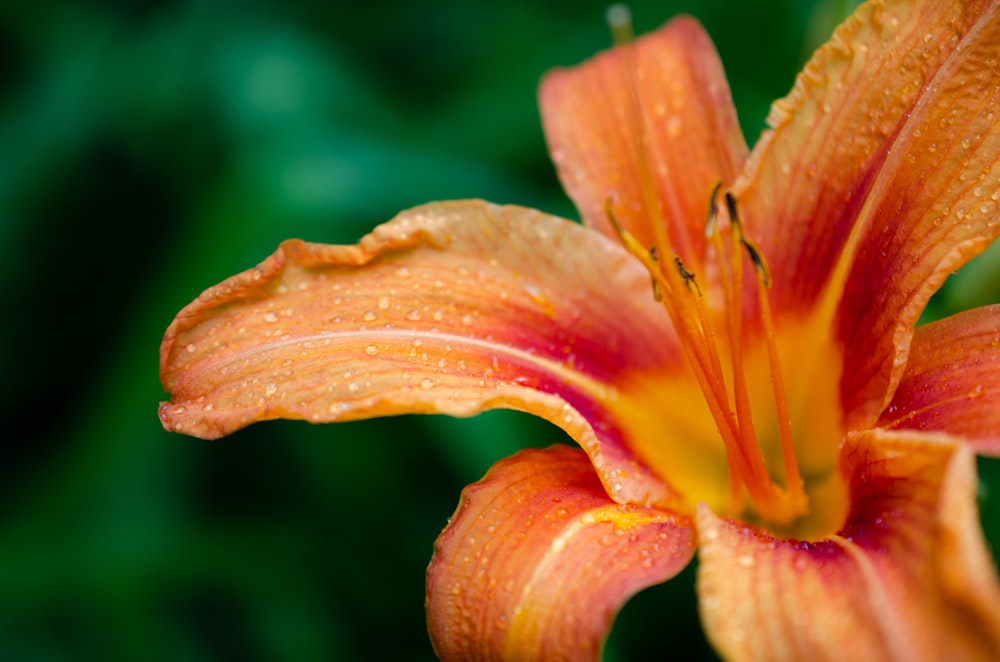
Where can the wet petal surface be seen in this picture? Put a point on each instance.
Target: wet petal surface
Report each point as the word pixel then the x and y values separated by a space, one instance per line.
pixel 537 560
pixel 907 577
pixel 952 380
pixel 594 126
pixel 451 308
pixel 879 178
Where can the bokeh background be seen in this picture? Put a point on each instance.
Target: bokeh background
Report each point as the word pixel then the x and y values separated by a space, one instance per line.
pixel 150 149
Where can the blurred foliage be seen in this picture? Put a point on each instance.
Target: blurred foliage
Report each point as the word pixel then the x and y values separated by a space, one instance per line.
pixel 148 150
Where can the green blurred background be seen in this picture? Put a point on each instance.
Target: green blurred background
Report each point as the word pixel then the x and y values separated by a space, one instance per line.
pixel 151 149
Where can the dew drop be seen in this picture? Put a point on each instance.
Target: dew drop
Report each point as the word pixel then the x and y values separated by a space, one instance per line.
pixel 674 126
pixel 369 315
pixel 426 383
pixel 383 303
pixel 371 350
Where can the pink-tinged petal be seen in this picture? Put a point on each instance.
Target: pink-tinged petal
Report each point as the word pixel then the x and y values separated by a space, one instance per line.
pixel 693 139
pixel 933 206
pixel 450 308
pixel 952 380
pixel 537 560
pixel 808 177
pixel 878 178
pixel 908 577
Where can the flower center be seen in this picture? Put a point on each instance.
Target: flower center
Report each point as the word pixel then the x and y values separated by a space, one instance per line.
pixel 728 400
pixel 728 355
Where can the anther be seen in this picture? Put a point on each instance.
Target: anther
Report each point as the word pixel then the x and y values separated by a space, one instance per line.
pixel 654 255
pixel 713 210
pixel 686 276
pixel 758 261
pixel 734 216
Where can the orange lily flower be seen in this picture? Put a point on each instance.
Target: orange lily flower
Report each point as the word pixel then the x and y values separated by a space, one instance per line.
pixel 730 338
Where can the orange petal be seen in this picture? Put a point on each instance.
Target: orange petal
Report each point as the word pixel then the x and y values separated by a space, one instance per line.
pixel 952 380
pixel 933 206
pixel 537 560
pixel 692 137
pixel 450 308
pixel 880 169
pixel 808 177
pixel 908 577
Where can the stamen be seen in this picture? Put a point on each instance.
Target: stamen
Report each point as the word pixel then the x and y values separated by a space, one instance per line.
pixel 757 480
pixel 674 284
pixel 698 349
pixel 793 480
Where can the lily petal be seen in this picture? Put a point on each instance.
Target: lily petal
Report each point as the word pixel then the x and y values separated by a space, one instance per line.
pixel 682 128
pixel 933 207
pixel 809 175
pixel 952 380
pixel 537 560
pixel 908 577
pixel 877 178
pixel 450 308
